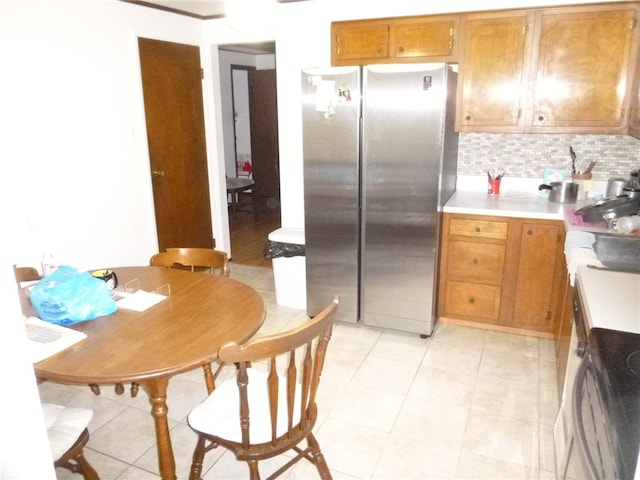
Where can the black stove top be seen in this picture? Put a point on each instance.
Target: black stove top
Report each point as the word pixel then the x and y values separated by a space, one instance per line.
pixel 616 357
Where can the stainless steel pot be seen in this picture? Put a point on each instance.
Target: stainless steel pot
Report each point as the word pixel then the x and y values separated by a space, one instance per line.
pixel 615 186
pixel 561 192
pixel 631 192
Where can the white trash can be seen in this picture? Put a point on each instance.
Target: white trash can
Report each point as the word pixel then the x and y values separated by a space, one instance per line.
pixel 289 273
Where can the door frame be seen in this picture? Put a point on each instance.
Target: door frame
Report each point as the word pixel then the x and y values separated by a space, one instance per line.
pixel 246 68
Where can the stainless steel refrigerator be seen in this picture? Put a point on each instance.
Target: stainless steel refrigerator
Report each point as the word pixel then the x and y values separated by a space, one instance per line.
pixel 380 160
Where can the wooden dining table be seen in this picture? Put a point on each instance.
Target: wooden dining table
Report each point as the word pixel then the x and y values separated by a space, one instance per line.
pixel 181 333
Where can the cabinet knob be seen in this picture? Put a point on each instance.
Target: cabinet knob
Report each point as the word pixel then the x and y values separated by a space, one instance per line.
pixel 474 261
pixel 401 49
pixel 472 300
pixel 477 229
pixel 529 232
pixel 467 117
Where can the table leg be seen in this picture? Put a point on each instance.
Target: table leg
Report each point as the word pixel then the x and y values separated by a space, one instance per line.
pixel 234 205
pixel 156 388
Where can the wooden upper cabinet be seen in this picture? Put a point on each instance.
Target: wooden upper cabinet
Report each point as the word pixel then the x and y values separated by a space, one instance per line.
pixel 359 40
pixel 582 75
pixel 493 71
pixel 634 114
pixel 395 40
pixel 424 37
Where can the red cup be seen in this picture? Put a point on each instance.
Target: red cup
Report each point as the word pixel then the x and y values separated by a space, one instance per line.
pixel 494 187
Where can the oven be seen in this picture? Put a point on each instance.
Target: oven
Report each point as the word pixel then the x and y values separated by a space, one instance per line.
pixel 597 433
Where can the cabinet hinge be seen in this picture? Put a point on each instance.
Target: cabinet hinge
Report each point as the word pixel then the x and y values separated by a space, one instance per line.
pixel 452 37
pixel 634 23
pixel 202 74
pixel 525 29
pixel 622 112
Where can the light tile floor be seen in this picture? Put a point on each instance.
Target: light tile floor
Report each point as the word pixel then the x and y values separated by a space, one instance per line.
pixel 465 403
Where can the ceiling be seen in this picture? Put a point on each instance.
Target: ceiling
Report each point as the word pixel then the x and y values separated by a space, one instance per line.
pixel 209 9
pixel 203 9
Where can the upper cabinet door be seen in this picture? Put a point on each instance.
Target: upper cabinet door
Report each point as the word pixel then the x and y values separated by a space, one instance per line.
pixel 425 38
pixel 634 115
pixel 395 40
pixel 359 41
pixel 582 74
pixel 493 71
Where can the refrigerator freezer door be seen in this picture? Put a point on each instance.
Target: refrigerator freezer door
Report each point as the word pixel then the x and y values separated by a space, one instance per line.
pixel 331 124
pixel 403 136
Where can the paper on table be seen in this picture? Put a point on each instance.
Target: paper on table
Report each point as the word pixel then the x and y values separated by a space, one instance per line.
pixel 46 339
pixel 140 300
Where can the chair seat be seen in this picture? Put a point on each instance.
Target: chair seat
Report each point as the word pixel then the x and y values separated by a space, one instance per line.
pixel 219 414
pixel 64 426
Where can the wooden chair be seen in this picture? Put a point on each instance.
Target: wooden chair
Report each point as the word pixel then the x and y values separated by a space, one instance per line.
pixel 267 411
pixel 197 260
pixel 25 274
pixel 194 259
pixel 68 434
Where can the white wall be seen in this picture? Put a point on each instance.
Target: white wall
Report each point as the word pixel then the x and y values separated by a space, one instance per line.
pixel 73 130
pixel 75 164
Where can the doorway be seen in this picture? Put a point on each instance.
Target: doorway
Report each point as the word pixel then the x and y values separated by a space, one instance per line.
pixel 251 137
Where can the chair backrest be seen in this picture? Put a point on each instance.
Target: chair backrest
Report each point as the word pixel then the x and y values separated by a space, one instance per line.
pixel 194 259
pixel 25 274
pixel 291 383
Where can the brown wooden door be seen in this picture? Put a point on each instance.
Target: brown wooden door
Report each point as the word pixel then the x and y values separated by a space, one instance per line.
pixel 264 137
pixel 172 84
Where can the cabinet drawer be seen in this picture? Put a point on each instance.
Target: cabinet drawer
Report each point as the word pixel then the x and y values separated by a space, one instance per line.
pixel 478 228
pixel 481 302
pixel 476 262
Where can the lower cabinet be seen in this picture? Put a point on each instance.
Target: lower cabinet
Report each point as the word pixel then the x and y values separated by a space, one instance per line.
pixel 502 271
pixel 564 326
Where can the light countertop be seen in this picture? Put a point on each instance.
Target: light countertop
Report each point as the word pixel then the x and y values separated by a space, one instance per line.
pixel 612 299
pixel 512 204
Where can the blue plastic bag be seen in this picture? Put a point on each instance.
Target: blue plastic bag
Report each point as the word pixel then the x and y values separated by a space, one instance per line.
pixel 67 296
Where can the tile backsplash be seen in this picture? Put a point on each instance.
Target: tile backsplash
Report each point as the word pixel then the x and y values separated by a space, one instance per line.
pixel 522 155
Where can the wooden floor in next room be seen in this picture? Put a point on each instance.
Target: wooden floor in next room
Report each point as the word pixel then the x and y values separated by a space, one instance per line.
pixel 249 231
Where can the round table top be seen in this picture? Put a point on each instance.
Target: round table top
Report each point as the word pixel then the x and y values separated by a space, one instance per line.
pixel 178 334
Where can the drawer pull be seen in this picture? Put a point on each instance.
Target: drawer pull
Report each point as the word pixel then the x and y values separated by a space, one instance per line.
pixel 474 261
pixel 529 232
pixel 472 300
pixel 477 229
